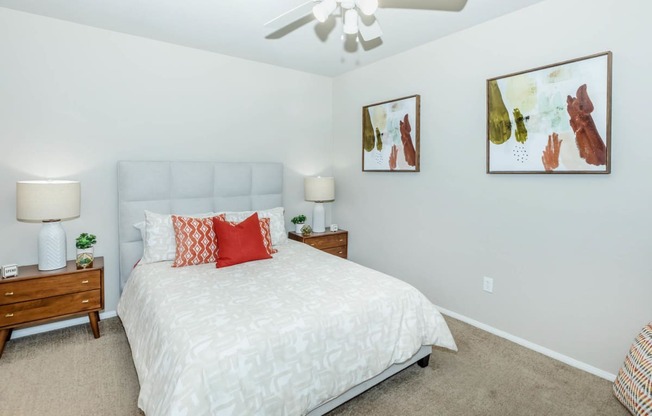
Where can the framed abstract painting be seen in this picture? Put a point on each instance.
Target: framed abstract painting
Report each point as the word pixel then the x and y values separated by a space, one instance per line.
pixel 390 135
pixel 552 119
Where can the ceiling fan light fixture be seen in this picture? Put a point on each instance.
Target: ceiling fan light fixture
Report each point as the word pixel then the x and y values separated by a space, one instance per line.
pixel 351 22
pixel 367 7
pixel 347 4
pixel 323 10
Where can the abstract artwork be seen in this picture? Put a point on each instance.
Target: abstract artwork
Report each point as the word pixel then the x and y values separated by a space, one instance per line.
pixel 390 135
pixel 553 119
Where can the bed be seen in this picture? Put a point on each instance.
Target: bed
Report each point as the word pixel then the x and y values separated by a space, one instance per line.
pixel 296 334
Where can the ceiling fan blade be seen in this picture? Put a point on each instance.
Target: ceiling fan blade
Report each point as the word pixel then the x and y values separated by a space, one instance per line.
pixel 291 16
pixel 369 29
pixel 442 5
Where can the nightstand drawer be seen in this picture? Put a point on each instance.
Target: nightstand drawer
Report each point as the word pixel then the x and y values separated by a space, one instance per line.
pixel 327 241
pixel 337 251
pixel 332 242
pixel 30 289
pixel 23 312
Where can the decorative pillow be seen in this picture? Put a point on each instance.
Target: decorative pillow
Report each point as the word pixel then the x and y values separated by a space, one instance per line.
pixel 633 385
pixel 159 242
pixel 239 243
pixel 195 241
pixel 267 235
pixel 264 230
pixel 277 222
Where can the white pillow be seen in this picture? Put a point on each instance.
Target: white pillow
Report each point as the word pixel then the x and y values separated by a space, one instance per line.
pixel 158 236
pixel 276 222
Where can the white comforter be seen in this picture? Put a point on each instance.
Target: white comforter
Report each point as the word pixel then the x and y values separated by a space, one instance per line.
pixel 270 337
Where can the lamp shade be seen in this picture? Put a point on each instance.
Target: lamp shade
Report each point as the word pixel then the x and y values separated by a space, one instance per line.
pixel 47 200
pixel 319 189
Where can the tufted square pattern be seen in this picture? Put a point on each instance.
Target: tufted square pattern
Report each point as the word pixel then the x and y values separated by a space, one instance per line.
pixel 184 188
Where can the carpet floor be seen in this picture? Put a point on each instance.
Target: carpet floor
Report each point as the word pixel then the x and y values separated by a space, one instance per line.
pixel 68 372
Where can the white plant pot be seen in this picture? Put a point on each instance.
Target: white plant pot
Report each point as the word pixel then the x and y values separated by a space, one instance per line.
pixel 298 227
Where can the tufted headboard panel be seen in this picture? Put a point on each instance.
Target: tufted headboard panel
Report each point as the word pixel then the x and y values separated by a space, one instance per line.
pixel 188 188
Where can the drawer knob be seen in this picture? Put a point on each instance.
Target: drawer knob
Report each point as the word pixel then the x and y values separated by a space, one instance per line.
pixel 84 282
pixel 9 294
pixel 9 315
pixel 312 244
pixel 85 301
pixel 341 240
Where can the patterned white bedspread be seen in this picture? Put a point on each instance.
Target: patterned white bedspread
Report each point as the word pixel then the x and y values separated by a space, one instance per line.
pixel 270 337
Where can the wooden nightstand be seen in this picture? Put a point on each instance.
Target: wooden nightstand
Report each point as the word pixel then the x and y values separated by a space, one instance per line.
pixel 36 297
pixel 333 242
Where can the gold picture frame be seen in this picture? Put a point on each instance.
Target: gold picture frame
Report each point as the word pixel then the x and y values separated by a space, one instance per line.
pixel 390 135
pixel 554 119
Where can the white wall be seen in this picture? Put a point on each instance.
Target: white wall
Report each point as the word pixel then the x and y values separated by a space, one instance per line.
pixel 570 254
pixel 75 100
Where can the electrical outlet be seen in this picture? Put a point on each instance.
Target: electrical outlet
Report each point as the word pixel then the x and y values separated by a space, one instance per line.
pixel 488 284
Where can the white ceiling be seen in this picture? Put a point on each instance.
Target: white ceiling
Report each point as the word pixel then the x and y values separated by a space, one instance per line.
pixel 235 27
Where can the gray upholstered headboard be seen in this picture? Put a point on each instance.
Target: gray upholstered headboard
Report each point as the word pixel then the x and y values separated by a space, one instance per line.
pixel 188 188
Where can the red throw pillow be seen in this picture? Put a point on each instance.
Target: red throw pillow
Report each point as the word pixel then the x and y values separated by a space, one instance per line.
pixel 239 243
pixel 265 230
pixel 195 240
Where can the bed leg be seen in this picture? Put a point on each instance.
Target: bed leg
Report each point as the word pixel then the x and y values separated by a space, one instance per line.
pixel 423 363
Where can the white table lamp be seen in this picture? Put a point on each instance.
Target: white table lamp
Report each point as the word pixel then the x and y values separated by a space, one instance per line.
pixel 319 190
pixel 48 202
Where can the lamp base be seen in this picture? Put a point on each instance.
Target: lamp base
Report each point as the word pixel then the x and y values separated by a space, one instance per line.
pixel 318 218
pixel 51 246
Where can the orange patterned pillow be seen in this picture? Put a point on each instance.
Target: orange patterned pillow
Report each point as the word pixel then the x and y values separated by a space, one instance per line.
pixel 195 240
pixel 633 386
pixel 267 235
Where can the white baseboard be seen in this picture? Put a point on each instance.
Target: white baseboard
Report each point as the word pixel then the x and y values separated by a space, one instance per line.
pixel 58 325
pixel 535 347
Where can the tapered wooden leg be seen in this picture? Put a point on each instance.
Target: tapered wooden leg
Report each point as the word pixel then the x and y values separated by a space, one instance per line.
pixel 5 334
pixel 423 363
pixel 94 317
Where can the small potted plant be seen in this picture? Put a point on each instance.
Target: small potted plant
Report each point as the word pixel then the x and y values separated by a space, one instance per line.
pixel 298 222
pixel 85 255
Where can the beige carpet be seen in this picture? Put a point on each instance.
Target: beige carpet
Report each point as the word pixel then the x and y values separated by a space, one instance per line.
pixel 67 372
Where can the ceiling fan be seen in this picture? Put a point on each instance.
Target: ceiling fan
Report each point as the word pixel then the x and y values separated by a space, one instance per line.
pixel 357 15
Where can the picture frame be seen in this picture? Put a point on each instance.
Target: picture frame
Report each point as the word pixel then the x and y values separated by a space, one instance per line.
pixel 554 119
pixel 390 135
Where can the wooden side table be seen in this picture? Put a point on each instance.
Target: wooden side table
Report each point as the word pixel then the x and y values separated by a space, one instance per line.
pixel 35 297
pixel 333 242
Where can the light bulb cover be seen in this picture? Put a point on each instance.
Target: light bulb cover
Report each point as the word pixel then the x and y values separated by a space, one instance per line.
pixel 323 10
pixel 350 22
